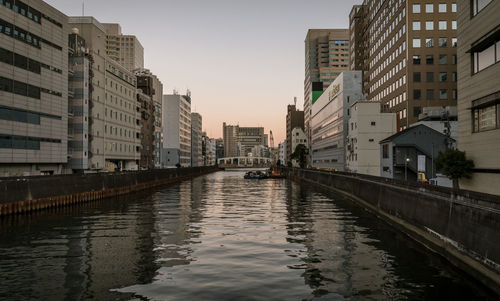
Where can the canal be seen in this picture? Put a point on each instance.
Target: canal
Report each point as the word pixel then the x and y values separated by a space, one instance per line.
pixel 221 237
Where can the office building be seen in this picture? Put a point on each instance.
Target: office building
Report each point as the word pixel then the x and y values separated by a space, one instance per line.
pixel 239 141
pixel 294 119
pixel 407 52
pixel 367 126
pixel 147 126
pixel 326 56
pixel 176 125
pixel 196 139
pixel 151 85
pixel 124 49
pixel 479 92
pixel 329 116
pixel 114 117
pixel 33 89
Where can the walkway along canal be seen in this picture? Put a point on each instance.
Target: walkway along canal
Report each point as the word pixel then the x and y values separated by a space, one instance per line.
pixel 221 237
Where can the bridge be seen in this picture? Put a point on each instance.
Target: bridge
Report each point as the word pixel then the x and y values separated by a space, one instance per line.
pixel 245 162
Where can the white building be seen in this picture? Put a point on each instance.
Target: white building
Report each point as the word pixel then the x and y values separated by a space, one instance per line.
pixel 196 136
pixel 176 125
pixel 330 114
pixel 298 137
pixel 210 152
pixel 282 152
pixel 366 128
pixel 124 49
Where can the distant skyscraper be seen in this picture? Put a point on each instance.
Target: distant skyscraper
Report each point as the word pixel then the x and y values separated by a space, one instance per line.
pixel 196 137
pixel 125 49
pixel 239 141
pixel 176 130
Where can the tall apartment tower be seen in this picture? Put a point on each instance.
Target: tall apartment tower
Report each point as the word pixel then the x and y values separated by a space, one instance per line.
pixel 196 137
pixel 326 56
pixel 176 125
pixel 151 85
pixel 407 52
pixel 125 49
pixel 33 89
pixel 230 136
pixel 294 118
pixel 114 112
pixel 479 92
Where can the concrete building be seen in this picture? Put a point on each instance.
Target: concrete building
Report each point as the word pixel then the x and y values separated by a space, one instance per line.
pixel 176 125
pixel 298 137
pixel 330 114
pixel 33 89
pixel 367 126
pixel 151 85
pixel 441 119
pixel 407 52
pixel 326 56
pixel 479 92
pixel 124 49
pixel 147 126
pixel 239 141
pixel 114 117
pixel 294 119
pixel 399 153
pixel 196 140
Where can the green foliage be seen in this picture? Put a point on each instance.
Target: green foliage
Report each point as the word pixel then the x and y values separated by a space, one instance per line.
pixel 278 163
pixel 454 164
pixel 300 154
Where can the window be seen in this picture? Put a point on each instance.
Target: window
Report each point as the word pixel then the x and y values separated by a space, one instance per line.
pixel 429 59
pixel 416 8
pixel 454 94
pixel 416 25
pixel 385 151
pixel 416 43
pixel 416 60
pixel 479 5
pixel 429 94
pixel 442 42
pixel 429 8
pixel 454 77
pixel 416 77
pixel 442 25
pixel 454 25
pixel 429 42
pixel 443 59
pixel 485 118
pixel 417 94
pixel 417 111
pixel 454 7
pixel 453 42
pixel 429 25
pixel 429 77
pixel 442 7
pixel 443 94
pixel 454 59
pixel 486 57
pixel 443 77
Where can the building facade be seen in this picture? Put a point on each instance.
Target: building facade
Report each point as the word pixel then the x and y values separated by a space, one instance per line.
pixel 298 137
pixel 114 117
pixel 33 89
pixel 176 127
pixel 294 118
pixel 326 56
pixel 367 126
pixel 479 92
pixel 126 50
pixel 330 114
pixel 147 123
pixel 239 141
pixel 196 140
pixel 282 152
pixel 407 50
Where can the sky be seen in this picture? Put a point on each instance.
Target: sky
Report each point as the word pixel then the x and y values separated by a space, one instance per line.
pixel 242 60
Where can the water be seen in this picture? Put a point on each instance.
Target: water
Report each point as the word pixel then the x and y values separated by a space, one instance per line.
pixel 220 237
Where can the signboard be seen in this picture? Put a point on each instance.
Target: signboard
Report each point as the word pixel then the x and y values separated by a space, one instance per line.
pixel 421 163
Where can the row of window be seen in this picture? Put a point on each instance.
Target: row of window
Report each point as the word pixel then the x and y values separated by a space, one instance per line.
pixel 429 42
pixel 28 11
pixel 23 62
pixel 443 94
pixel 429 59
pixel 25 36
pixel 24 142
pixel 25 116
pixel 486 118
pixel 429 8
pixel 486 57
pixel 20 88
pixel 429 25
pixel 443 77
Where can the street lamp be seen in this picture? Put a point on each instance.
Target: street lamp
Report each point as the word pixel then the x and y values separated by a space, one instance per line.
pixel 407 160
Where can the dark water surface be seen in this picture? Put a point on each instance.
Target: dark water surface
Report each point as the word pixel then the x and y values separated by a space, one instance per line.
pixel 220 237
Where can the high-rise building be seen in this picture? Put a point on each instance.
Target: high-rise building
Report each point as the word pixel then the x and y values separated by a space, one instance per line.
pixel 114 117
pixel 239 141
pixel 124 49
pixel 33 89
pixel 176 126
pixel 326 56
pixel 294 118
pixel 479 92
pixel 196 137
pixel 407 52
pixel 152 86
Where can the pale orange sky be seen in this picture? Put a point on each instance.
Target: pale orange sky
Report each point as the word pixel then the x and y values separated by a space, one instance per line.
pixel 242 60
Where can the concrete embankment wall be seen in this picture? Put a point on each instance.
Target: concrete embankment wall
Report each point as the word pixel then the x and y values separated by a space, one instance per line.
pixel 25 194
pixel 463 227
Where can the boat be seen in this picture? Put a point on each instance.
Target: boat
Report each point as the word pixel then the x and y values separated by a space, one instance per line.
pixel 256 174
pixel 276 174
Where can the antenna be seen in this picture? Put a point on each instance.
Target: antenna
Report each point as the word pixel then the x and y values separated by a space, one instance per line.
pixel 295 101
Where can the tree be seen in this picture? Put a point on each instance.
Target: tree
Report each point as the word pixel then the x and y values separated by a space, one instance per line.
pixel 300 155
pixel 278 163
pixel 454 164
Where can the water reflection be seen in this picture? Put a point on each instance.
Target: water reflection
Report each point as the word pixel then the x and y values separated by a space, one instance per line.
pixel 219 237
